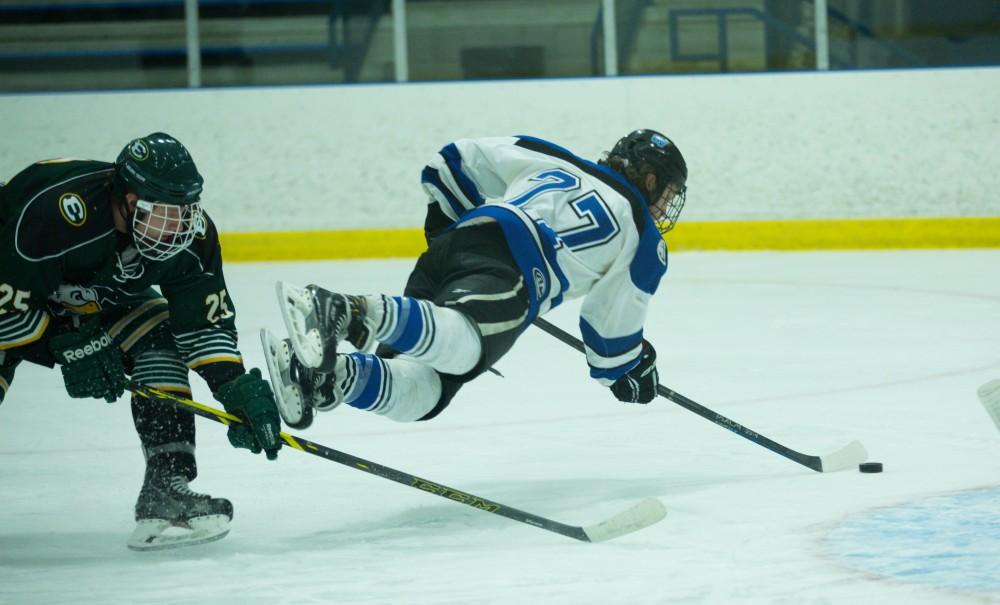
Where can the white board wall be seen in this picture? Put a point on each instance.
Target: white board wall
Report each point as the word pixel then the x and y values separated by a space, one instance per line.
pixel 915 143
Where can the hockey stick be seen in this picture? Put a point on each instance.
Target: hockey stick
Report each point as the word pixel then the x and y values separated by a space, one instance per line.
pixel 639 516
pixel 989 395
pixel 846 457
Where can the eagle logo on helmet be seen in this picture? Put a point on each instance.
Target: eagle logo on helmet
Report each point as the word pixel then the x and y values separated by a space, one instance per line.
pixel 139 150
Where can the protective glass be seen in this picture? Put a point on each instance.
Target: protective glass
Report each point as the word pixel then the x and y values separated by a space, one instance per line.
pixel 162 230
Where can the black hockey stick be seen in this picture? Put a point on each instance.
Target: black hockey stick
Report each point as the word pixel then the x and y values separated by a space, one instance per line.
pixel 640 515
pixel 846 457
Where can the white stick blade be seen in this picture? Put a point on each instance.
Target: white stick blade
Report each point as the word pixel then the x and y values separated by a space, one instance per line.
pixel 989 395
pixel 640 516
pixel 849 456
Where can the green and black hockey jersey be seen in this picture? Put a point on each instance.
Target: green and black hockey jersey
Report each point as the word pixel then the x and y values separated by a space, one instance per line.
pixel 60 256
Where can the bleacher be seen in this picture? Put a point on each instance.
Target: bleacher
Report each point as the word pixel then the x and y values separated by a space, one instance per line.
pixel 126 44
pixel 106 44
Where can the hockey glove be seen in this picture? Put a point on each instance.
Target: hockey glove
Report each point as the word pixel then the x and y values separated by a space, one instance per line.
pixel 91 363
pixel 639 384
pixel 250 398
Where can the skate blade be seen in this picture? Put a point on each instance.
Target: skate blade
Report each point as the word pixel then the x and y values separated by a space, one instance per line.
pixel 160 534
pixel 287 395
pixel 297 311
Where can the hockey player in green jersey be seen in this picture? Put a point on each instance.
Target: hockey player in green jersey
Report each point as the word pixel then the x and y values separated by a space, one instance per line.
pixel 82 246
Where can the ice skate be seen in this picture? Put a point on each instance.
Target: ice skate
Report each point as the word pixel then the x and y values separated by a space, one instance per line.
pixel 295 411
pixel 298 390
pixel 318 319
pixel 169 515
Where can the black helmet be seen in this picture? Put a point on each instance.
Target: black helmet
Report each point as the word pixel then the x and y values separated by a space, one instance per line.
pixel 158 168
pixel 646 151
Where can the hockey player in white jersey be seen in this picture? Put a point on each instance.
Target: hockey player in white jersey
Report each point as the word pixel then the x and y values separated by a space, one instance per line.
pixel 515 227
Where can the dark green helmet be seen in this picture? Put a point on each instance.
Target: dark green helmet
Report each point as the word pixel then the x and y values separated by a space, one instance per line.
pixel 158 168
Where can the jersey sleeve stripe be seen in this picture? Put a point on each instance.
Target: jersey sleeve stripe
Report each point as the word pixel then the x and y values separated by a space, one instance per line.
pixel 613 373
pixel 145 328
pixel 208 345
pixel 608 347
pixel 432 178
pixel 22 328
pixel 197 362
pixel 453 159
pixel 120 325
pixel 650 262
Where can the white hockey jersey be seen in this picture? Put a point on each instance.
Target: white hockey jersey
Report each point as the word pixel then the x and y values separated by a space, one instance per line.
pixel 575 228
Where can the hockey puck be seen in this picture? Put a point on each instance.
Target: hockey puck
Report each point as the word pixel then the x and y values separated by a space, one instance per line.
pixel 870 467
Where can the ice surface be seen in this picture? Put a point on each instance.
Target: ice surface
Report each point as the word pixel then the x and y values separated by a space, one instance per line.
pixel 812 350
pixel 951 541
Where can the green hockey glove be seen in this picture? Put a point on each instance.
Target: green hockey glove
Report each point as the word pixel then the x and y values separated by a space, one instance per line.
pixel 91 363
pixel 250 398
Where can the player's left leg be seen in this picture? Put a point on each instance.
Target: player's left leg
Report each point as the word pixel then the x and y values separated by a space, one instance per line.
pixel 167 435
pixel 404 388
pixel 464 307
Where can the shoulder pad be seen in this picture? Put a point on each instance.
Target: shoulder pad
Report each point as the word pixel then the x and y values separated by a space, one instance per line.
pixel 67 210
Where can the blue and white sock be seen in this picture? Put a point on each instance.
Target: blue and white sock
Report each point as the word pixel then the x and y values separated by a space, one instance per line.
pixel 442 338
pixel 399 389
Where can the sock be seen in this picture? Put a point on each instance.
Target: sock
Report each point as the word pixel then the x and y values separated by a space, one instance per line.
pixel 442 338
pixel 400 389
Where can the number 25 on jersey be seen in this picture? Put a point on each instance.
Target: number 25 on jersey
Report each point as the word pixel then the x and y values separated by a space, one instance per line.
pixel 13 300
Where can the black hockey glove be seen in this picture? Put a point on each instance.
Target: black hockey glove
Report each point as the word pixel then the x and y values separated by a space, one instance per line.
pixel 250 398
pixel 91 363
pixel 639 384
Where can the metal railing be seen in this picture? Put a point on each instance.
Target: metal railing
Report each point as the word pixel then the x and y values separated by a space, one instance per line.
pixel 348 47
pixel 351 27
pixel 722 53
pixel 628 13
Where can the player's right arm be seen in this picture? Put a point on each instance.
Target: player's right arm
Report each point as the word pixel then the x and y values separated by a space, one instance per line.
pixel 614 311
